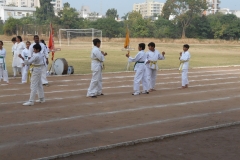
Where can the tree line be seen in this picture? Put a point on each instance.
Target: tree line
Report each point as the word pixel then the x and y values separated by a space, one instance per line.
pixel 188 22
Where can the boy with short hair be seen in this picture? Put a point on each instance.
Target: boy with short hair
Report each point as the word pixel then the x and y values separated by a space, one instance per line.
pixel 36 83
pixel 184 64
pixel 153 56
pixel 140 70
pixel 97 56
pixel 25 68
pixel 3 67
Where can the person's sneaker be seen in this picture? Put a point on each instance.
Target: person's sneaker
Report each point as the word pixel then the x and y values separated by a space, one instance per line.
pixel 94 96
pixel 41 100
pixel 28 103
pixel 136 94
pixel 145 92
pixel 101 94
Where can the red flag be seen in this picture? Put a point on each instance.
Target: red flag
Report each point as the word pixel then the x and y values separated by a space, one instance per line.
pixel 51 41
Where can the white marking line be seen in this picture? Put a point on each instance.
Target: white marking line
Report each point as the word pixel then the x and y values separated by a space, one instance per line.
pixel 139 141
pixel 125 86
pixel 120 128
pixel 123 77
pixel 120 111
pixel 73 97
pixel 119 100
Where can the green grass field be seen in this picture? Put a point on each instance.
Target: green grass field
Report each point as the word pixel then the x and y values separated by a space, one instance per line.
pixel 202 55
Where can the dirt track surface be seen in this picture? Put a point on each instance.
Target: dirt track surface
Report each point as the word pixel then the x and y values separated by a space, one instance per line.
pixel 69 121
pixel 221 144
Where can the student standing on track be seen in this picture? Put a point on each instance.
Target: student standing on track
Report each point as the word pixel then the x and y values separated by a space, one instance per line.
pixel 3 67
pixel 140 69
pixel 184 64
pixel 97 56
pixel 153 56
pixel 44 54
pixel 25 68
pixel 36 83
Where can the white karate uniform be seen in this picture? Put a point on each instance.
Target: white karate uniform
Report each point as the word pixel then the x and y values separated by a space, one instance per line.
pixel 16 63
pixel 25 69
pixel 153 68
pixel 140 69
pixel 36 82
pixel 3 67
pixel 95 87
pixel 185 59
pixel 45 55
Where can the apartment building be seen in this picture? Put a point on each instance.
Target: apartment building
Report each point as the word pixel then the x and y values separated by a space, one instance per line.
pixel 23 3
pixel 213 6
pixel 57 5
pixel 148 8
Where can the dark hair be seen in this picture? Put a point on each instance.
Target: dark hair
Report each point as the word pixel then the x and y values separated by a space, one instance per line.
pixel 19 37
pixel 14 39
pixel 43 42
pixel 37 47
pixel 96 41
pixel 1 42
pixel 186 46
pixel 28 42
pixel 142 46
pixel 151 44
pixel 35 36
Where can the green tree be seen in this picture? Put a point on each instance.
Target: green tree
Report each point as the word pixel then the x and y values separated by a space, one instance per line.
pixel 166 29
pixel 45 13
pixel 109 26
pixel 200 28
pixel 112 13
pixel 69 17
pixel 10 26
pixel 1 26
pixel 185 10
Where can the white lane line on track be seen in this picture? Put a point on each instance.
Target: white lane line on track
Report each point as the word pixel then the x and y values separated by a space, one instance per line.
pixel 2 146
pixel 119 111
pixel 100 102
pixel 139 141
pixel 74 97
pixel 125 86
pixel 178 77
pixel 121 77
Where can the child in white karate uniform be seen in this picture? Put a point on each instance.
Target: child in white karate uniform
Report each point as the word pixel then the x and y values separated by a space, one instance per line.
pixel 25 68
pixel 3 67
pixel 184 64
pixel 140 69
pixel 153 56
pixel 36 83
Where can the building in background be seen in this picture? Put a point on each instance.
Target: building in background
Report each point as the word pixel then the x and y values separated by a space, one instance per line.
pixel 57 5
pixel 228 11
pixel 15 12
pixel 23 3
pixel 149 8
pixel 86 13
pixel 2 2
pixel 213 6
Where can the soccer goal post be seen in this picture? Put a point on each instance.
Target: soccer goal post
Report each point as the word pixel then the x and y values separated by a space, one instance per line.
pixel 78 37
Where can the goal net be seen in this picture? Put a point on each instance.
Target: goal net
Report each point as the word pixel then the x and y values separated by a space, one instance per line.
pixel 78 37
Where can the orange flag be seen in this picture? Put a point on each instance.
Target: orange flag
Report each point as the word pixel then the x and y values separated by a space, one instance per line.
pixel 127 40
pixel 51 41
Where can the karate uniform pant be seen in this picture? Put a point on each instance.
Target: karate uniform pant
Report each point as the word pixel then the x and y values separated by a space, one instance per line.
pixel 36 84
pixel 44 74
pixel 15 70
pixel 95 87
pixel 3 73
pixel 25 73
pixel 151 77
pixel 140 75
pixel 185 77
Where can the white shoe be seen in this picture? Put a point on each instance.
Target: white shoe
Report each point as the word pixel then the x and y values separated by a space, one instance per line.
pixel 28 103
pixel 145 92
pixel 41 100
pixel 136 94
